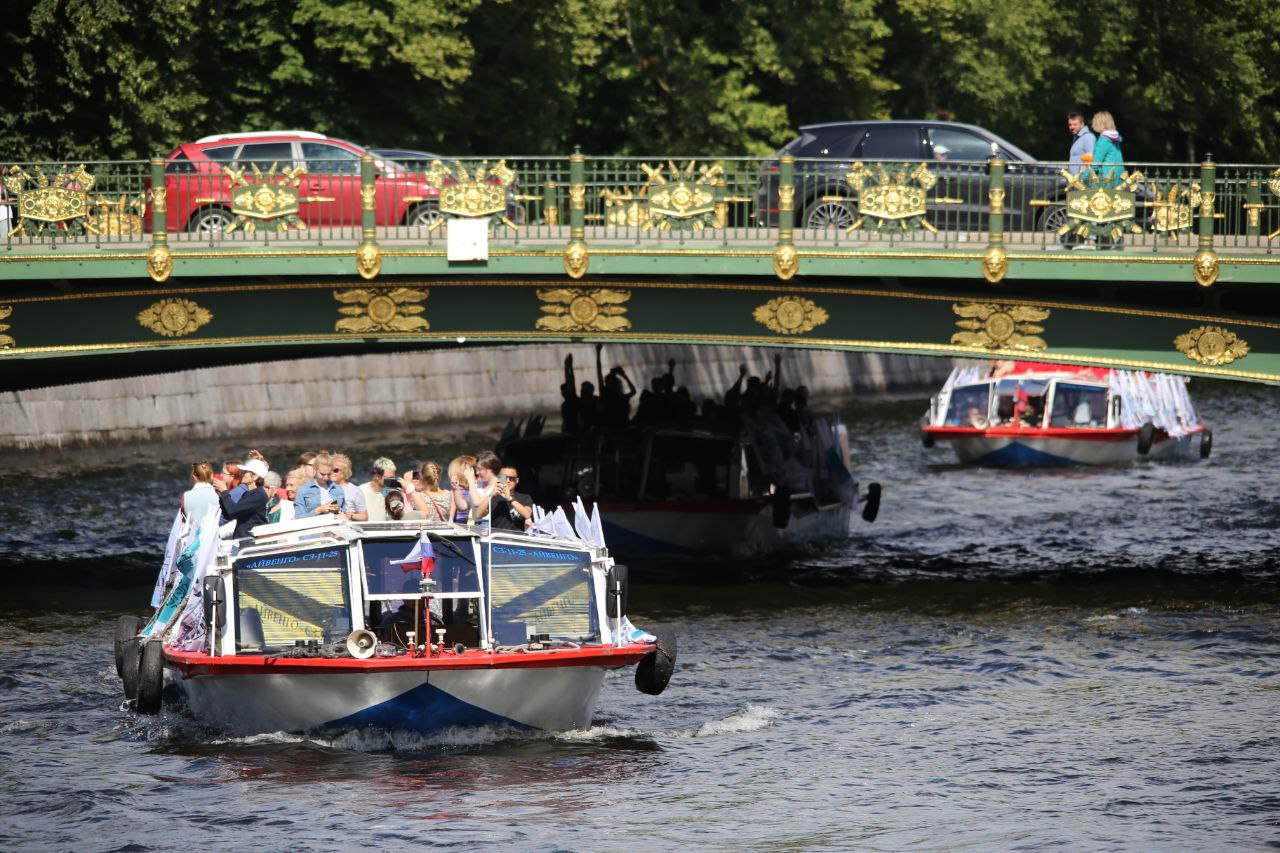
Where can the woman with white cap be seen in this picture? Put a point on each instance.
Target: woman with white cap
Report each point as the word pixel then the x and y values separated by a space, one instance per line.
pixel 251 509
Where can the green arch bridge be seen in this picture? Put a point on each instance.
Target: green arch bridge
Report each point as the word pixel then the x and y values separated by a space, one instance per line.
pixel 113 268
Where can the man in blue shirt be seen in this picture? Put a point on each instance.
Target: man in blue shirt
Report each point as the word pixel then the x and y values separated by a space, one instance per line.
pixel 319 496
pixel 1082 140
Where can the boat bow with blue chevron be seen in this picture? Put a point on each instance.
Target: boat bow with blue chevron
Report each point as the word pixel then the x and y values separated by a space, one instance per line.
pixel 319 625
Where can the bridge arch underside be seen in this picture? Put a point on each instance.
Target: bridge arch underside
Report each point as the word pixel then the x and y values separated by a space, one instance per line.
pixel 70 331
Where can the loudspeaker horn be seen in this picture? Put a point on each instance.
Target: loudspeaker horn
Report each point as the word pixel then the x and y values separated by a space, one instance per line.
pixel 361 644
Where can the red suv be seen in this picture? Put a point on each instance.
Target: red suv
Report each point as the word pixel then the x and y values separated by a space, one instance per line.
pixel 199 191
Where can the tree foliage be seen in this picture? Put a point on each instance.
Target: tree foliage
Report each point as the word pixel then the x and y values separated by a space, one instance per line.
pixel 132 78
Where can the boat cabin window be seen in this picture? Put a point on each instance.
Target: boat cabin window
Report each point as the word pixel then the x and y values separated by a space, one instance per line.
pixel 970 406
pixel 537 590
pixel 1023 398
pixel 683 467
pixel 454 571
pixel 297 595
pixel 1079 407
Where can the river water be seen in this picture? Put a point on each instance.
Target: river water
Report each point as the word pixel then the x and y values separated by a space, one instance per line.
pixel 1084 659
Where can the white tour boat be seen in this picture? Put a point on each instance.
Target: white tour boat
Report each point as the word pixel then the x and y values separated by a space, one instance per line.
pixel 319 625
pixel 1016 414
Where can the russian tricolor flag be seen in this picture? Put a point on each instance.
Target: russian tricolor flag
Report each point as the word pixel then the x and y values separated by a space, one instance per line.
pixel 422 557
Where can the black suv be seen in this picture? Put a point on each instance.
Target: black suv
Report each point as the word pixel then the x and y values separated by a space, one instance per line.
pixel 957 155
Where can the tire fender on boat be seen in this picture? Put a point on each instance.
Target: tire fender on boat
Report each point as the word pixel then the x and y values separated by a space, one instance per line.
pixel 1146 435
pixel 127 628
pixel 655 669
pixel 871 504
pixel 150 676
pixel 130 661
pixel 1206 443
pixel 926 438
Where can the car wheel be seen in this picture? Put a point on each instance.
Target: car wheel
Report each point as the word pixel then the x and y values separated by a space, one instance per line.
pixel 423 216
pixel 211 220
pixel 828 214
pixel 1053 218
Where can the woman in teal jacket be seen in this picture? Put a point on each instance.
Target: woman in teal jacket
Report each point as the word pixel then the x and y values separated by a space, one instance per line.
pixel 1107 150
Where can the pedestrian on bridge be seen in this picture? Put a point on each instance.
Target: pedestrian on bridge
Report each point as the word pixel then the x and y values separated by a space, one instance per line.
pixel 1082 141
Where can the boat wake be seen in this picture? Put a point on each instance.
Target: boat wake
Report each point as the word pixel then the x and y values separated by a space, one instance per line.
pixel 752 718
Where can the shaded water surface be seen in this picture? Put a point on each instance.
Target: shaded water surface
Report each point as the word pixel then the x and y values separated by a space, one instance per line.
pixel 1003 660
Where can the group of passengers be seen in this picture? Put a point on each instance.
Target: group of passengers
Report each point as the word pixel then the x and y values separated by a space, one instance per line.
pixel 480 491
pixel 665 404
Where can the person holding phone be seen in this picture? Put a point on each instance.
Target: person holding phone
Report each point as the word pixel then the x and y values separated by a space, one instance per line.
pixel 375 491
pixel 320 495
pixel 510 509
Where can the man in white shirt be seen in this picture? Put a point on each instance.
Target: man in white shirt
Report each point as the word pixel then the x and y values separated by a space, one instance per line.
pixel 375 503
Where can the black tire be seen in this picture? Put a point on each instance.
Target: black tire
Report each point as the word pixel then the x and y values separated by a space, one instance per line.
pixel 871 506
pixel 781 505
pixel 1206 443
pixel 655 669
pixel 1146 436
pixel 127 628
pixel 423 215
pixel 1052 220
pixel 926 438
pixel 210 220
pixel 150 677
pixel 131 662
pixel 820 215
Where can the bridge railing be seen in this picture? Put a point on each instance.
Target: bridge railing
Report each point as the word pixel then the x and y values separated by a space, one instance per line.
pixel 661 202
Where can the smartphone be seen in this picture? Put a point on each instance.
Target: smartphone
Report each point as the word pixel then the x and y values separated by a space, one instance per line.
pixel 391 483
pixel 503 479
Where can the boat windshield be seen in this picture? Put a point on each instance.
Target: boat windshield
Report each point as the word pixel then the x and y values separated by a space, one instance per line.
pixel 1079 406
pixel 454 571
pixel 299 595
pixel 970 406
pixel 538 590
pixel 1020 401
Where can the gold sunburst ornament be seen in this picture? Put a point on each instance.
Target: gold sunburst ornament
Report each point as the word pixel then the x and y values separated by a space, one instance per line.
pixel 790 315
pixel 1211 345
pixel 672 199
pixel 470 195
pixel 989 326
pixel 5 340
pixel 572 309
pixel 380 309
pixel 896 200
pixel 1101 205
pixel 42 201
pixel 266 199
pixel 174 318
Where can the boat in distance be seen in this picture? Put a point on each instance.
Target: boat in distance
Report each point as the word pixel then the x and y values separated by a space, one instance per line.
pixel 323 625
pixel 1024 414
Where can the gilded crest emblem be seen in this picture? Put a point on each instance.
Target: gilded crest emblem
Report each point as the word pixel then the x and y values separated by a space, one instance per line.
pixel 579 310
pixel 1096 208
pixel 379 309
pixel 790 315
pixel 1211 345
pixel 5 340
pixel 671 199
pixel 174 318
pixel 1175 207
pixel 268 199
pixel 897 199
pixel 471 194
pixel 987 325
pixel 44 201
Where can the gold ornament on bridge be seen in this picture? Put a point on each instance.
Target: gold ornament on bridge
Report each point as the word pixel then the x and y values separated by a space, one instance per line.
pixel 114 217
pixel 368 261
pixel 159 263
pixel 1204 266
pixel 61 201
pixel 5 340
pixel 995 263
pixel 897 199
pixel 790 315
pixel 381 309
pixel 367 197
pixel 576 259
pixel 578 310
pixel 996 197
pixel 1211 345
pixel 1098 210
pixel 786 261
pixel 174 318
pixel 269 198
pixel 1175 207
pixel 682 199
pixel 472 194
pixel 986 325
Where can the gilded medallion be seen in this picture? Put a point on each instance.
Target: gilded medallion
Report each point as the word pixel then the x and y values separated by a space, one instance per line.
pixel 472 194
pixel 986 325
pixel 174 318
pixel 378 309
pixel 265 199
pixel 673 198
pixel 60 201
pixel 790 315
pixel 896 197
pixel 1211 345
pixel 572 309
